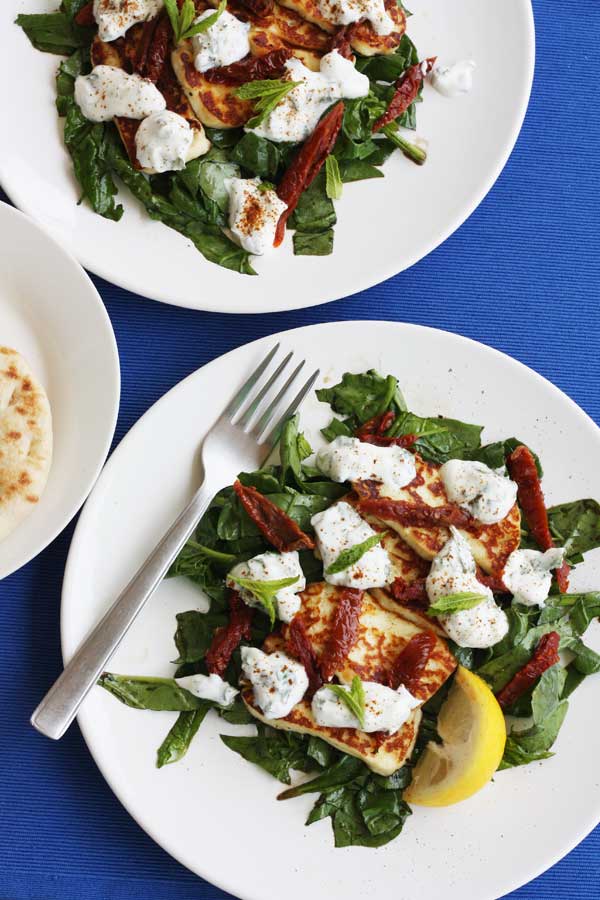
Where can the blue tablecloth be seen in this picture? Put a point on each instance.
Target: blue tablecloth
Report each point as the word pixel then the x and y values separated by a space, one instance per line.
pixel 521 275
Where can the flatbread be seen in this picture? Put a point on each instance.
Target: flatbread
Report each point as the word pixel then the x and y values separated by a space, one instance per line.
pixel 25 440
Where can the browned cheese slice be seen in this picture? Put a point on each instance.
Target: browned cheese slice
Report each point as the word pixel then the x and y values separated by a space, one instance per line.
pixel 490 544
pixel 383 632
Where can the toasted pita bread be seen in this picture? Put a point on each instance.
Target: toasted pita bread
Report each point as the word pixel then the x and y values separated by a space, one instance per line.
pixel 25 440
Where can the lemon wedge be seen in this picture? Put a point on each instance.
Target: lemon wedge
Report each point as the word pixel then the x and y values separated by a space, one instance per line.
pixel 473 732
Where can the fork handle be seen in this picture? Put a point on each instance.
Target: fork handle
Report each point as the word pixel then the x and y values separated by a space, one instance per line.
pixel 60 705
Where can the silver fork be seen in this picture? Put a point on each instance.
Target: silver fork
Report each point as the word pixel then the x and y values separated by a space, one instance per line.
pixel 242 438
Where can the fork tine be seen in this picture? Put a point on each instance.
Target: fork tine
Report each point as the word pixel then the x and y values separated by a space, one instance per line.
pixel 248 414
pixel 245 389
pixel 273 437
pixel 263 423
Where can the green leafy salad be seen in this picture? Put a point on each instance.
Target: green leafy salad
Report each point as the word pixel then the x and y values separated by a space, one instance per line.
pixel 193 198
pixel 529 678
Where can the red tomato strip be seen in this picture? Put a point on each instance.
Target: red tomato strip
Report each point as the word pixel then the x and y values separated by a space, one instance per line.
pixel 260 8
pixel 411 662
pixel 493 582
pixel 227 638
pixel 277 527
pixel 374 432
pixel 413 593
pixel 523 470
pixel 413 514
pixel 154 49
pixel 545 655
pixel 344 629
pixel 299 646
pixel 340 41
pixel 407 88
pixel 307 164
pixel 85 16
pixel 253 68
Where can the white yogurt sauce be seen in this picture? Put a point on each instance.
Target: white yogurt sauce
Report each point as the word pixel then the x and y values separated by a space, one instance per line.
pixel 108 92
pixel 452 572
pixel 209 687
pixel 115 17
pixel 163 141
pixel 223 43
pixel 455 80
pixel 253 214
pixel 272 567
pixel 489 496
pixel 528 574
pixel 278 681
pixel 296 116
pixel 339 528
pixel 349 459
pixel 343 12
pixel 385 709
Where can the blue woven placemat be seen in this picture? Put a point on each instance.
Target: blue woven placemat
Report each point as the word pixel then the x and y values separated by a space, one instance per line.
pixel 521 275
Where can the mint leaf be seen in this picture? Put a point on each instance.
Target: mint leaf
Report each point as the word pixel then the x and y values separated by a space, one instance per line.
pixel 265 591
pixel 333 179
pixel 452 603
pixel 348 557
pixel 267 93
pixel 353 697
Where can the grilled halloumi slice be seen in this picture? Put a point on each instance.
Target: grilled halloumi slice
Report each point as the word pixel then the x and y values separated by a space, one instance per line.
pixel 362 36
pixel 122 54
pixel 383 632
pixel 216 105
pixel 490 544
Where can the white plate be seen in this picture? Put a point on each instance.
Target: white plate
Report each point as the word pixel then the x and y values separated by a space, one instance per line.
pixel 52 314
pixel 384 226
pixel 216 813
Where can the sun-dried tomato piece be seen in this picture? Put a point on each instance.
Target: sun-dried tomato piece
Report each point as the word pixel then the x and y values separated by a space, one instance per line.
pixel 493 581
pixel 260 8
pixel 253 68
pixel 307 164
pixel 522 468
pixel 413 594
pixel 344 629
pixel 407 88
pixel 414 515
pixel 227 638
pixel 154 49
pixel 545 655
pixel 85 16
pixel 299 646
pixel 275 525
pixel 340 41
pixel 409 665
pixel 374 432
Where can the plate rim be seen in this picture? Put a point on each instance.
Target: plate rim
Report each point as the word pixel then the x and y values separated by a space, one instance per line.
pixel 111 345
pixel 255 307
pixel 509 885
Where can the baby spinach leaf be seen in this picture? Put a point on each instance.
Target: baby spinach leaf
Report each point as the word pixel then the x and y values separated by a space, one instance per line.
pixel 257 155
pixel 360 116
pixel 517 755
pixel 214 170
pixel 361 397
pixel 54 32
pixel 576 526
pixel 320 244
pixel 293 449
pixel 352 555
pixel 499 671
pixel 440 439
pixel 180 736
pixel 336 428
pixel 277 752
pixel 494 455
pixel 144 692
pixel 237 713
pixel 315 212
pixel 323 754
pixel 341 772
pixel 358 170
pixel 194 634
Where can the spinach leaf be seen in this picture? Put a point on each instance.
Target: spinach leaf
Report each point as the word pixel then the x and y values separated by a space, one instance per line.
pixel 54 32
pixel 180 736
pixel 365 812
pixel 206 567
pixel 293 449
pixel 499 670
pixel 358 170
pixel 214 169
pixel 494 455
pixel 224 138
pixel 391 66
pixel 548 711
pixel 323 754
pixel 145 692
pixel 346 769
pixel 207 238
pixel 576 526
pixel 237 713
pixel 320 244
pixel 336 428
pixel 257 155
pixel 277 752
pixel 194 634
pixel 441 439
pixel 315 212
pixel 360 116
pixel 361 397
